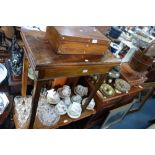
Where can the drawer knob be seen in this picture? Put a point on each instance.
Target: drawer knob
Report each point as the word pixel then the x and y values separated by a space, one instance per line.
pixel 65 121
pixel 85 71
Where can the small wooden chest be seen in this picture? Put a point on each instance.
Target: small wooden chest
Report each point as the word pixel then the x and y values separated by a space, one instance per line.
pixel 77 40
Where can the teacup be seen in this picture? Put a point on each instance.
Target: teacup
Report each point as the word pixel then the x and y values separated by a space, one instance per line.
pixel 64 91
pixel 74 110
pixel 81 90
pixel 53 97
pixel 76 98
pixel 67 101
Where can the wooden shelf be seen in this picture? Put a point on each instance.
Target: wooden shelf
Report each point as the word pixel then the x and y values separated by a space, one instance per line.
pixel 64 120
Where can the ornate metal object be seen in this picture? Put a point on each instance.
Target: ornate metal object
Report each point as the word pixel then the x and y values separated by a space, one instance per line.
pixel 122 85
pixel 107 90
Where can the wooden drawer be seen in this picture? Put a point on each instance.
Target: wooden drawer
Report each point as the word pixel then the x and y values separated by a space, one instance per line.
pixel 74 71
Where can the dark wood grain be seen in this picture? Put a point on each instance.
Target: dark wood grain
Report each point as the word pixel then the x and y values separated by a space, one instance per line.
pixel 35 98
pixel 41 54
pixel 50 65
pixel 24 76
pixel 77 40
pixel 64 120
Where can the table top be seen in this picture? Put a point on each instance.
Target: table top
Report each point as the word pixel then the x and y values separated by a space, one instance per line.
pixel 41 55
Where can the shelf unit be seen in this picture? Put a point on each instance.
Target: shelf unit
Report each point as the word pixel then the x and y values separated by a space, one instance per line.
pixel 64 120
pixel 48 65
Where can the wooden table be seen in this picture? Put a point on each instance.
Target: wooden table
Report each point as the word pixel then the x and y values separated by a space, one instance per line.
pixel 48 65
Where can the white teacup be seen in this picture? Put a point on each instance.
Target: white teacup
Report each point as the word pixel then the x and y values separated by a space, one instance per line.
pixel 76 98
pixel 64 91
pixel 81 90
pixel 53 97
pixel 74 110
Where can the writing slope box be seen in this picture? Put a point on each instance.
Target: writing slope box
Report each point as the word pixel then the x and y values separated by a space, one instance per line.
pixel 77 40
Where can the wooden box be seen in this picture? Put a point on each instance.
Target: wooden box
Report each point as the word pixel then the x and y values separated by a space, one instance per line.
pixel 77 40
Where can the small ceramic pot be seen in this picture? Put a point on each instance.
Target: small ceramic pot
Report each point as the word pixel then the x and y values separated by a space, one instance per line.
pixel 81 90
pixel 76 98
pixel 64 91
pixel 53 97
pixel 74 110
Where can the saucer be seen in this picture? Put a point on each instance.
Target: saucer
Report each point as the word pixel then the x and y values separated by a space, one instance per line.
pixel 76 98
pixel 81 90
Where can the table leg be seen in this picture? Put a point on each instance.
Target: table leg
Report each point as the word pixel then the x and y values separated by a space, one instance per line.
pixel 74 84
pixel 142 102
pixel 146 97
pixel 93 92
pixel 24 76
pixel 35 98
